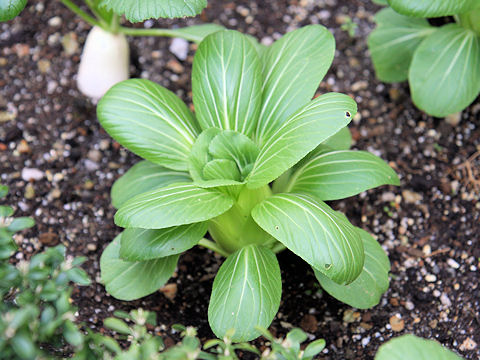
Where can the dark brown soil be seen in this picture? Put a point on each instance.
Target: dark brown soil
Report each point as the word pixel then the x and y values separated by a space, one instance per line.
pixel 430 226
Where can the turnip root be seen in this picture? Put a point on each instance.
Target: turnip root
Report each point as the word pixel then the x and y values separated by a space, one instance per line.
pixel 105 61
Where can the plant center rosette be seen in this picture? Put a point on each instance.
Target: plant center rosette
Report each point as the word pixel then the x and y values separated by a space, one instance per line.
pixel 247 175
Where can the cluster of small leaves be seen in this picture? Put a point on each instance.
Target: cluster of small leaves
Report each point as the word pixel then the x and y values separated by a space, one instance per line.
pixel 442 64
pixel 144 345
pixel 35 307
pixel 9 226
pixel 134 10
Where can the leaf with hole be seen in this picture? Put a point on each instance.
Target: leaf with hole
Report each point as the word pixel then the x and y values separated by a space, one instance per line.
pixel 366 291
pixel 322 237
pixel 136 11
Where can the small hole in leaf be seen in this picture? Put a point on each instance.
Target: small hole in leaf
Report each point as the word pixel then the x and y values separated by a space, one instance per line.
pixel 348 114
pixel 276 227
pixel 328 266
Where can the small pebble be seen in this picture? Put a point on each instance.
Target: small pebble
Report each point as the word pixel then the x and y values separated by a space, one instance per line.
pixel 309 323
pixel 453 264
pixel 397 323
pixel 29 192
pixel 445 300
pixel 179 47
pixel 91 247
pixel 409 305
pixel 49 239
pixel 454 119
pixel 431 278
pixel 411 197
pixel 70 43
pixel 43 66
pixel 468 344
pixel 55 21
pixel 94 155
pixel 31 174
pixel 170 291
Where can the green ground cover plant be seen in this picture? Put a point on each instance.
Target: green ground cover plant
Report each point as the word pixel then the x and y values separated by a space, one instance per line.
pixel 253 167
pixel 441 63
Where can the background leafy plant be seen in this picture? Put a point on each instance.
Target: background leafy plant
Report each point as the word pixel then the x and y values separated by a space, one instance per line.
pixel 410 347
pixel 210 171
pixel 442 64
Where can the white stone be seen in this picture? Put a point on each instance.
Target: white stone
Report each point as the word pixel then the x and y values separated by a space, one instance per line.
pixel 445 300
pixel 179 48
pixel 32 174
pixel 453 264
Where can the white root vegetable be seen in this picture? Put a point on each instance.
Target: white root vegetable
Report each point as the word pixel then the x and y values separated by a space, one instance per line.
pixel 105 61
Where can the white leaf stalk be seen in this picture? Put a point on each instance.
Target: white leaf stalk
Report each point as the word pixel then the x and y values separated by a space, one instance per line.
pixel 105 61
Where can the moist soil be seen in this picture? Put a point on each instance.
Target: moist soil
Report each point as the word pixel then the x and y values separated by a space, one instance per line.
pixel 429 226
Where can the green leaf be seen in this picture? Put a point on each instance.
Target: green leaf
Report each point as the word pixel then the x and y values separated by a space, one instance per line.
pixel 150 121
pixel 11 8
pixel 342 140
pixel 333 175
pixel 177 204
pixel 3 191
pixel 136 11
pixel 5 211
pixel 142 177
pixel 380 2
pixel 234 146
pixel 293 68
pixel 117 325
pixel 410 347
pixel 220 158
pixel 221 169
pixel 23 345
pixel 78 276
pixel 142 244
pixel 444 75
pixel 246 293
pixel 199 156
pixel 432 8
pixel 314 348
pixel 127 280
pixel 303 132
pixel 366 291
pixel 21 223
pixel 72 334
pixel 393 43
pixel 196 33
pixel 324 238
pixel 226 82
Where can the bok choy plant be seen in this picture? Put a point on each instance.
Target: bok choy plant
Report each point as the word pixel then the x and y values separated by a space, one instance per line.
pixel 442 64
pixel 105 59
pixel 253 168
